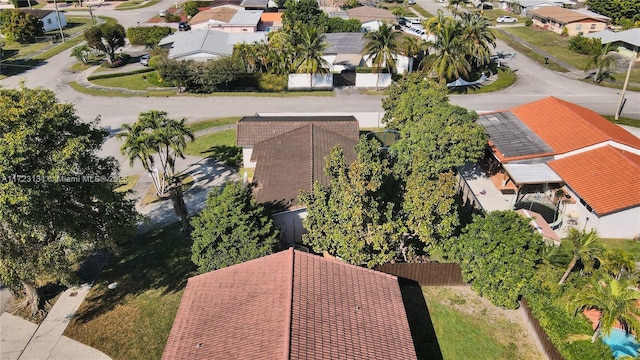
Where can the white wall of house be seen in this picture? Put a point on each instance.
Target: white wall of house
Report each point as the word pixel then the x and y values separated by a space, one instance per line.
pixel 371 25
pixel 247 151
pixel 290 225
pixel 303 82
pixel 383 80
pixel 201 56
pixel 50 22
pixel 232 28
pixel 367 119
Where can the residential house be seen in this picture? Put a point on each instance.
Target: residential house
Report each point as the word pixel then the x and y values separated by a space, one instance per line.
pixel 556 19
pixel 291 305
pixel 626 42
pixel 203 45
pixel 371 17
pixel 288 154
pixel 255 4
pixel 346 51
pixel 565 160
pixel 270 21
pixel 227 18
pixel 48 18
pixel 522 7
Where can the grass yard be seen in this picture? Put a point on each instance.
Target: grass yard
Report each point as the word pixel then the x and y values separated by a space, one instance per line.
pixel 421 10
pixel 630 245
pixel 505 79
pixel 219 146
pixel 130 82
pixel 634 77
pixel 128 182
pixel 469 327
pixel 136 4
pixel 623 120
pixel 492 15
pixel 206 124
pixel 528 52
pixel 552 43
pixel 133 321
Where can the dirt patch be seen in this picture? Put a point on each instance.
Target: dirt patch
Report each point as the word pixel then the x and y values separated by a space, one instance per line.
pixel 511 329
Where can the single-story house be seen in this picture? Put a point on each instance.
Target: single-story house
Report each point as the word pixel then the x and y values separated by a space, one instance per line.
pixel 254 4
pixel 346 51
pixel 523 6
pixel 369 13
pixel 48 18
pixel 549 145
pixel 288 154
pixel 203 45
pixel 227 18
pixel 626 42
pixel 291 305
pixel 556 19
pixel 270 21
pixel 6 4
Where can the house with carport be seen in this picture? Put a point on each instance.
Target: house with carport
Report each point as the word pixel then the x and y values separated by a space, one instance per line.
pixel 626 42
pixel 562 160
pixel 227 18
pixel 203 45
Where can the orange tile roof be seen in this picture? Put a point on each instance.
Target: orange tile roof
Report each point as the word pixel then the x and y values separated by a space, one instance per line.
pixel 562 15
pixel 606 178
pixel 566 127
pixel 291 305
pixel 275 17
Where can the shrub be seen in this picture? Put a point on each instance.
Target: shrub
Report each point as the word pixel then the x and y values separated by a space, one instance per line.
pixel 147 35
pixel 192 7
pixel 153 61
pixel 584 45
pixel 565 31
pixel 273 82
pixel 113 75
pixel 171 18
pixel 529 22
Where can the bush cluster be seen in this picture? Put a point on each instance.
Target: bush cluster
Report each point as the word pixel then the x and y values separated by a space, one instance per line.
pixel 273 82
pixel 147 35
pixel 202 77
pixel 584 45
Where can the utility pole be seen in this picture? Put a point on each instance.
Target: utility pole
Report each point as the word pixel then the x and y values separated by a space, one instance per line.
pixel 626 82
pixel 59 22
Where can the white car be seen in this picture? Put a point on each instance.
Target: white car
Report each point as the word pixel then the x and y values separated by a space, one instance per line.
pixel 506 19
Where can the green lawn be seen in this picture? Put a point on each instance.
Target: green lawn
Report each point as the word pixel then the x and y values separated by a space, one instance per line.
pixel 552 43
pixel 133 321
pixel 206 124
pixel 492 15
pixel 468 327
pixel 623 120
pixel 634 77
pixel 219 146
pixel 630 245
pixel 505 79
pixel 421 10
pixel 523 50
pixel 136 4
pixel 130 82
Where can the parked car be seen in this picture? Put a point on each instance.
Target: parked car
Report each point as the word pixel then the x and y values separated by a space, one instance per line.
pixel 411 2
pixel 183 26
pixel 162 13
pixel 506 19
pixel 402 21
pixel 144 60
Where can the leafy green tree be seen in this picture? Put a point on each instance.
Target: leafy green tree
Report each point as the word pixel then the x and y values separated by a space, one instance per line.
pixel 306 12
pixel 231 229
pixel 617 301
pixel 148 36
pixel 309 50
pixel 498 254
pixel 453 6
pixel 154 134
pixel 381 47
pixel 619 263
pixel 190 8
pixel 57 197
pixel 586 248
pixel 20 27
pixel 617 10
pixel 106 38
pixel 339 25
pixel 351 218
pixel 81 52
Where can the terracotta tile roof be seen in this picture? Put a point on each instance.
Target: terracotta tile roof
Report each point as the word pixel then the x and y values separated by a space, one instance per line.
pixel 292 161
pixel 566 127
pixel 291 305
pixel 255 129
pixel 562 15
pixel 606 178
pixel 275 17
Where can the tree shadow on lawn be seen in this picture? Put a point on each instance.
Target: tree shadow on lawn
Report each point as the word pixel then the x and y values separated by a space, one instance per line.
pixel 17 67
pixel 424 336
pixel 229 155
pixel 157 260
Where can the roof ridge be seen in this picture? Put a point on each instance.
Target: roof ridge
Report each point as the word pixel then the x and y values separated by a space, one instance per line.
pixel 624 154
pixel 287 348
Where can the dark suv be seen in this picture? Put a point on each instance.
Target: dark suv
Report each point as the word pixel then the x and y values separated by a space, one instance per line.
pixel 183 26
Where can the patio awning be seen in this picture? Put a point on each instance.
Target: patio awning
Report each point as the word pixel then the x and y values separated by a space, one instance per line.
pixel 531 174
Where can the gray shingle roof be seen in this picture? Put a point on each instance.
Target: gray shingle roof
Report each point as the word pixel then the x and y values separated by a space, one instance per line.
pixel 344 43
pixel 631 36
pixel 184 43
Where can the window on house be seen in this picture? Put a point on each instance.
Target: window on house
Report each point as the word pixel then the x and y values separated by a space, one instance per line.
pixel 48 21
pixel 593 26
pixel 578 26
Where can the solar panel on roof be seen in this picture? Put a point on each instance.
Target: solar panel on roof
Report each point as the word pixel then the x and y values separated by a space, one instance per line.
pixel 511 136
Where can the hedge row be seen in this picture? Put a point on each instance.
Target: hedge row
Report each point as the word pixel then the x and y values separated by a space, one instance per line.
pixel 118 74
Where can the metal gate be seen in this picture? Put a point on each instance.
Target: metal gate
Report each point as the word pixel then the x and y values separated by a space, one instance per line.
pixel 345 78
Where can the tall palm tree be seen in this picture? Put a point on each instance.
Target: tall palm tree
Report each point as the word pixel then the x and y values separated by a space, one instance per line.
pixel 310 45
pixel 448 58
pixel 381 47
pixel 154 134
pixel 586 247
pixel 477 37
pixel 603 63
pixel 616 300
pixel 453 6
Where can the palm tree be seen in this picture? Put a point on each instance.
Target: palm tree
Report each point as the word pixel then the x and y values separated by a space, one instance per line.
pixel 453 6
pixel 616 300
pixel 619 263
pixel 586 247
pixel 410 46
pixel 381 47
pixel 81 52
pixel 154 134
pixel 448 59
pixel 603 63
pixel 310 45
pixel 477 37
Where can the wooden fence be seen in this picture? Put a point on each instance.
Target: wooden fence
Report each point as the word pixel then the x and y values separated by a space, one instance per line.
pixel 427 274
pixel 550 350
